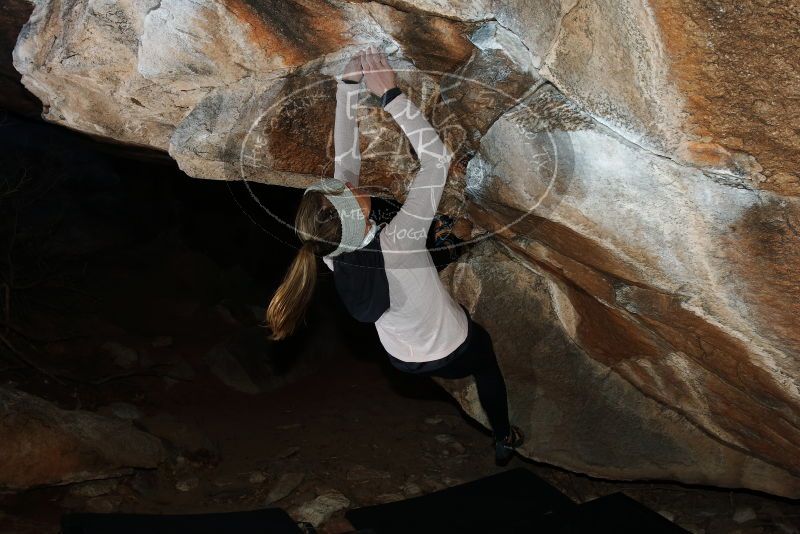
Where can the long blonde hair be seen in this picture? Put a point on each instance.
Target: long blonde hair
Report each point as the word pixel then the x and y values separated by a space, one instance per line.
pixel 318 227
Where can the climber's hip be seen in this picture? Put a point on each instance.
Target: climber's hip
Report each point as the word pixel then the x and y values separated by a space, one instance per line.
pixel 463 361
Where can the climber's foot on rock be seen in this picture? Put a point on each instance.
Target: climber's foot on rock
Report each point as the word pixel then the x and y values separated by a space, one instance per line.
pixel 504 448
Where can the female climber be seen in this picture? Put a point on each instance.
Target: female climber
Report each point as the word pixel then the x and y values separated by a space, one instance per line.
pixel 385 274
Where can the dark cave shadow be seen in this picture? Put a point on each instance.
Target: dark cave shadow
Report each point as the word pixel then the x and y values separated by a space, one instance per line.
pixel 425 388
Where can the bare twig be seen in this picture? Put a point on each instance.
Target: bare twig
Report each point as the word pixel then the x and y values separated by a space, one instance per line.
pixel 25 360
pixel 30 339
pixel 107 379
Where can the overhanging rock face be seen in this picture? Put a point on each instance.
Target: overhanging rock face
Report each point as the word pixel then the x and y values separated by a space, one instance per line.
pixel 576 412
pixel 632 167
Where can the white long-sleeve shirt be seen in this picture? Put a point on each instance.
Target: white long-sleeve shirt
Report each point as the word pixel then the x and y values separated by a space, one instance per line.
pixel 423 322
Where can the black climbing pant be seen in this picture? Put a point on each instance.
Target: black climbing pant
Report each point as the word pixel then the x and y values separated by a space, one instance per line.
pixel 476 358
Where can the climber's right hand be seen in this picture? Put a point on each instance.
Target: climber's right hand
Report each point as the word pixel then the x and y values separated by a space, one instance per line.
pixel 352 71
pixel 378 75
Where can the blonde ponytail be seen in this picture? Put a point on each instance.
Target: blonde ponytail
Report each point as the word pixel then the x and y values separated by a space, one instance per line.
pixel 293 295
pixel 317 224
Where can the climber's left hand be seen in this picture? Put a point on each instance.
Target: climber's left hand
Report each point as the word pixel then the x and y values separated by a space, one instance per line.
pixel 352 71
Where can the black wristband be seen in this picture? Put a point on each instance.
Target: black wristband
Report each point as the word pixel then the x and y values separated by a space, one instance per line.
pixel 350 81
pixel 390 95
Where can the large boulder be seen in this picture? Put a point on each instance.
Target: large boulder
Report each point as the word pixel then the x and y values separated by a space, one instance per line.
pixel 44 445
pixel 637 162
pixel 576 412
pixel 658 277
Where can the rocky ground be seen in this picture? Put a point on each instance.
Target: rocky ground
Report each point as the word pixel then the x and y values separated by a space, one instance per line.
pixel 351 433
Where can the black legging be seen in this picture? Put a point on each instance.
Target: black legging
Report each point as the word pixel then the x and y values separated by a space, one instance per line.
pixel 479 360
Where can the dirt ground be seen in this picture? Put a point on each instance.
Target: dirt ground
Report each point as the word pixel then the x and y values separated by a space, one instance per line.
pixel 350 428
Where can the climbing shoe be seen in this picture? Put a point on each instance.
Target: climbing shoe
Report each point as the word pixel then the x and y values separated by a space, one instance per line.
pixel 504 448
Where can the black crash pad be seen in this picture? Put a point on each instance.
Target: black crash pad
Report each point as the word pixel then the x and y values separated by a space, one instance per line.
pixel 513 501
pixel 615 513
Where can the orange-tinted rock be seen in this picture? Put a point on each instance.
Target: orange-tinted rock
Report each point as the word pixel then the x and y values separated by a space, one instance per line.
pixel 43 444
pixel 489 83
pixel 295 30
pixel 578 412
pixel 672 75
pixel 737 63
pixel 682 283
pixel 433 44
